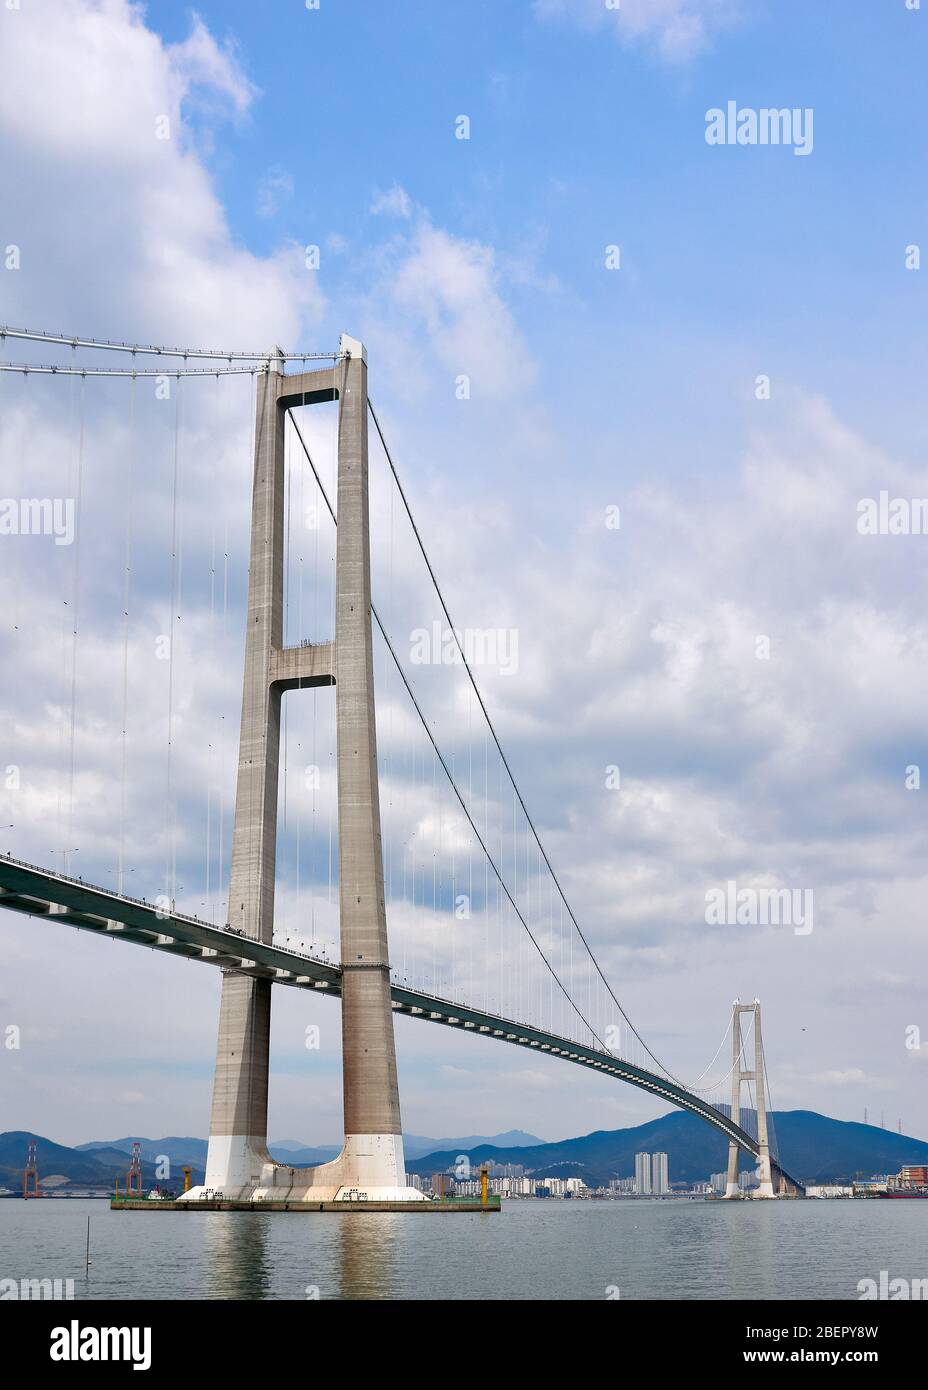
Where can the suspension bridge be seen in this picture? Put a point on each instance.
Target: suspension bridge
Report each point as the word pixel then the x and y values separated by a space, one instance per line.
pixel 348 813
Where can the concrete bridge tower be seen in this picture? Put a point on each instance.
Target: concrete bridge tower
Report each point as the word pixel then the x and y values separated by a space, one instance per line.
pixel 738 1076
pixel 371 1164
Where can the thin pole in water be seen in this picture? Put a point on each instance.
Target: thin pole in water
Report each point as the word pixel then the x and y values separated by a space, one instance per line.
pixel 87 1259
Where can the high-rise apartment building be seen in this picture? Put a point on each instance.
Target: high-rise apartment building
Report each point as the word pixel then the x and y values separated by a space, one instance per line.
pixel 643 1175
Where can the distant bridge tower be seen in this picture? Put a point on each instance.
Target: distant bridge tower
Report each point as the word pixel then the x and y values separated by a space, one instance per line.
pixel 31 1170
pixel 134 1175
pixel 738 1076
pixel 371 1164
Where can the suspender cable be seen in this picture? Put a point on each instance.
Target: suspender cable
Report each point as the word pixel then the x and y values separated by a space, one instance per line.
pixel 127 564
pixel 75 617
pixel 175 586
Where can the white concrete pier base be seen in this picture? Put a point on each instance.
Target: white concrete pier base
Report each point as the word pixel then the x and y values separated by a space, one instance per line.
pixel 370 1168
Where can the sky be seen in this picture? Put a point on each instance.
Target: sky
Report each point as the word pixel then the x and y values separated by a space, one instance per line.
pixel 687 364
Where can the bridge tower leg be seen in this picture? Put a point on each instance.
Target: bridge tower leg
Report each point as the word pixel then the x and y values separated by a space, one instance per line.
pixel 238 1126
pixel 732 1189
pixel 372 1162
pixel 765 1188
pixel 738 1077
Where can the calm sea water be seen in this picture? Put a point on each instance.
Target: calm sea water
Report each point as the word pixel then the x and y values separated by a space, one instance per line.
pixel 530 1250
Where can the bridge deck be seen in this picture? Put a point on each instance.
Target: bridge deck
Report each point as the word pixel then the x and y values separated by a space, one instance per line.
pixel 28 888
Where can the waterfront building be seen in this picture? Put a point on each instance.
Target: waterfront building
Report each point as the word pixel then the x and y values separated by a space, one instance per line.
pixel 643 1175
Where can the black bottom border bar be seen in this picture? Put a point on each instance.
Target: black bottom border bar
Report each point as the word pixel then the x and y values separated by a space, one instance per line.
pixel 168 1338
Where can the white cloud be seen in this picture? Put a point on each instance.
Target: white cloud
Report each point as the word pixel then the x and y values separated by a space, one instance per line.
pixel 200 62
pixel 396 202
pixel 121 231
pixel 122 236
pixel 273 190
pixel 451 289
pixel 637 647
pixel 680 29
pixel 854 1076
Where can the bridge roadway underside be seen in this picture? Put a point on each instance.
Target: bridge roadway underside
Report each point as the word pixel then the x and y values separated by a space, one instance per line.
pixel 30 889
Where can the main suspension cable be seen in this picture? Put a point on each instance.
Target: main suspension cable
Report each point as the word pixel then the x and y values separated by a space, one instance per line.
pixel 447 770
pixel 718 1081
pixel 502 755
pixel 39 369
pixel 30 335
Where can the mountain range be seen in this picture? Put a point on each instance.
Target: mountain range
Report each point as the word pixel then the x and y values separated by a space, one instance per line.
pixel 100 1162
pixel 814 1148
pixel 97 1167
pixel 297 1154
